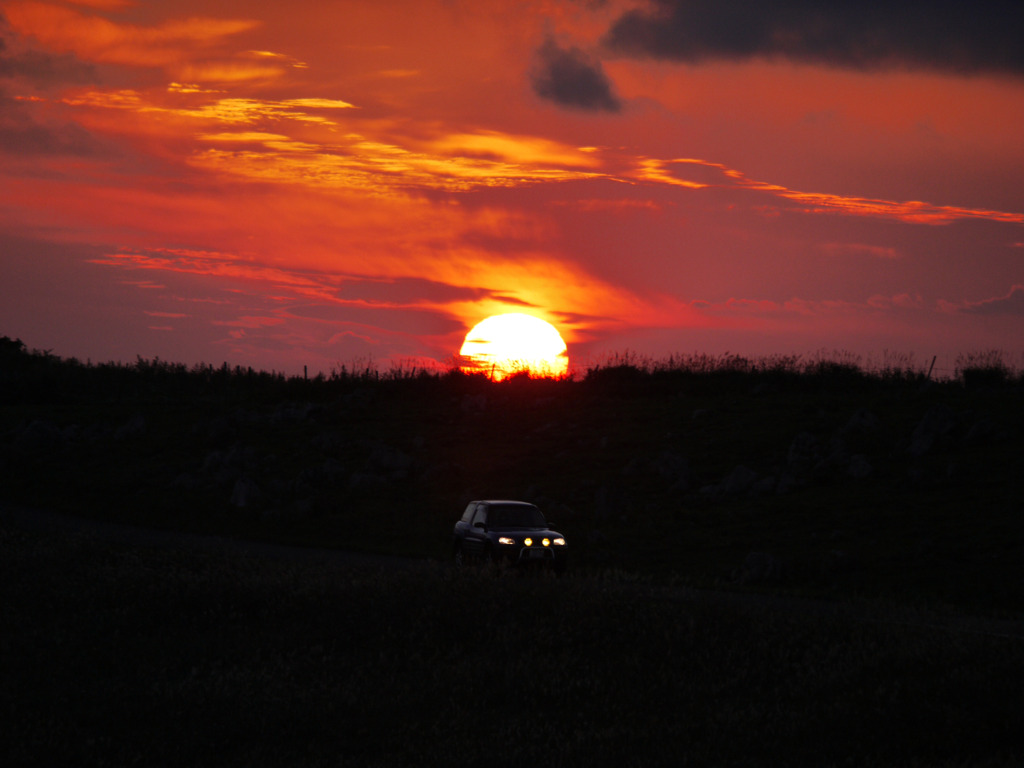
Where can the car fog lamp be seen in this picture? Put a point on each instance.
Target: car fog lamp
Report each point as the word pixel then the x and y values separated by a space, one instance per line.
pixel 546 542
pixel 528 542
pixel 559 542
pixel 506 540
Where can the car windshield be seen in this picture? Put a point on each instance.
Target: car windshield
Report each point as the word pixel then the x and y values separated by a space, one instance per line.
pixel 515 516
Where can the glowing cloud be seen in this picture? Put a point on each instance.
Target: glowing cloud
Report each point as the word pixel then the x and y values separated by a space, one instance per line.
pixel 97 39
pixel 910 211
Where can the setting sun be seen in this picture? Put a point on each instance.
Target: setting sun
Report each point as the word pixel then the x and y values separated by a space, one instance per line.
pixel 503 345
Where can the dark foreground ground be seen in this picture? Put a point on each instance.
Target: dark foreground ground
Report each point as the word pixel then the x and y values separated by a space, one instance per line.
pixel 771 565
pixel 179 654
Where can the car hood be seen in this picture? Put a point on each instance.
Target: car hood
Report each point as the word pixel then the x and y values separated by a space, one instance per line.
pixel 521 532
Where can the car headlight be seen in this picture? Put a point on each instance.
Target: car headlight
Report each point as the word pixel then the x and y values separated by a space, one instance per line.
pixel 559 542
pixel 506 540
pixel 528 542
pixel 546 542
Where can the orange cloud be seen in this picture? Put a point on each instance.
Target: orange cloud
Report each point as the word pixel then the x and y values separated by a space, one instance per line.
pixel 373 157
pixel 435 243
pixel 99 40
pixel 860 249
pixel 221 265
pixel 370 166
pixel 487 285
pixel 521 150
pixel 105 5
pixel 910 211
pixel 610 205
pixel 1010 305
pixel 171 315
pixel 226 110
pixel 651 169
pixel 900 300
pixel 340 158
pixel 226 71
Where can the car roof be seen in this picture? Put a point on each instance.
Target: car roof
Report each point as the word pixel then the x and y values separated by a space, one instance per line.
pixel 504 501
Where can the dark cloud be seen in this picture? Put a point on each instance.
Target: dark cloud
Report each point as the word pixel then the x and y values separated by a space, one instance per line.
pixel 570 77
pixel 949 35
pixel 42 69
pixel 28 72
pixel 38 69
pixel 22 135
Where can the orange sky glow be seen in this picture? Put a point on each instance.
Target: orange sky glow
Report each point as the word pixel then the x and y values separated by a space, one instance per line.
pixel 311 184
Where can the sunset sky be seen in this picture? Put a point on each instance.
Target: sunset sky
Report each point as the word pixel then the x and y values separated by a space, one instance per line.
pixel 324 183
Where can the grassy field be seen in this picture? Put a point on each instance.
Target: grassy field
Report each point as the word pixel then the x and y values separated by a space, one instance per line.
pixel 773 563
pixel 808 477
pixel 130 655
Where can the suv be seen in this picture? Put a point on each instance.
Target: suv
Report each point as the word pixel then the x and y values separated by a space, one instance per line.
pixel 512 532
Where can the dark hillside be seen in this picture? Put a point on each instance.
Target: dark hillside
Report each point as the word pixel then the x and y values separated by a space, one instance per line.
pixel 818 477
pixel 125 654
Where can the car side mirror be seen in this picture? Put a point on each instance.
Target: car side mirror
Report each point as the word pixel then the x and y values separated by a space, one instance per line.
pixel 480 525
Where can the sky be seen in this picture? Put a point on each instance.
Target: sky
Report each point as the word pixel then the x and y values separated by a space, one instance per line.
pixel 323 184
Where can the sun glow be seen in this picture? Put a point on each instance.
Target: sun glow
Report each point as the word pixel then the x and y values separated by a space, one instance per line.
pixel 503 345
